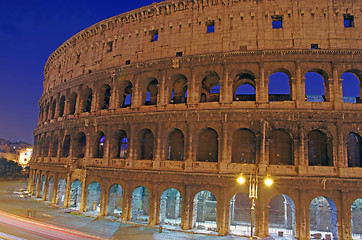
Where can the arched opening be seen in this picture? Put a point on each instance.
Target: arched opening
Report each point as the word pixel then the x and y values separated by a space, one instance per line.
pixel 323 218
pixel 72 103
pixel 125 95
pixel 99 145
pixel 204 212
pixel 42 186
pixel 170 208
pixel 55 146
pixel 319 150
pixel 94 198
pixel 208 146
pixel 79 145
pixel 54 106
pixel 356 219
pixel 140 205
pixel 105 96
pixel 36 184
pixel 243 146
pixel 240 214
pixel 50 189
pixel 280 148
pixel 244 87
pixel 179 89
pixel 66 146
pixel 282 217
pixel 279 87
pixel 120 145
pixel 46 147
pixel 176 146
pixel 315 89
pixel 115 201
pixel 351 88
pixel 152 91
pixel 146 140
pixel 61 192
pixel 210 87
pixel 46 112
pixel 354 150
pixel 75 195
pixel 61 106
pixel 86 103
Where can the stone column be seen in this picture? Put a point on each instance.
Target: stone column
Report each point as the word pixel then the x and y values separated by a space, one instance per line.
pixel 222 213
pixel 78 104
pixel 261 214
pixel 193 91
pixel 104 202
pixel 189 148
pixel 95 98
pixel 154 210
pixel 161 96
pixel 132 145
pixel 55 189
pixel 302 214
pixel 300 86
pixel 186 215
pixel 46 186
pixel 83 200
pixel 127 198
pixel 38 185
pixel 67 190
pixel 336 89
pixel 114 100
pixel 136 94
pixel 262 90
pixel 225 158
pixel 158 141
pixel 341 144
pixel 263 151
pixel 344 229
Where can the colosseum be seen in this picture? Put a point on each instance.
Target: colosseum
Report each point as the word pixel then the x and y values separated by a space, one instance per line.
pixel 150 117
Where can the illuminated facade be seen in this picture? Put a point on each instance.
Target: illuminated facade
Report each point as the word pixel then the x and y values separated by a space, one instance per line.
pixel 150 116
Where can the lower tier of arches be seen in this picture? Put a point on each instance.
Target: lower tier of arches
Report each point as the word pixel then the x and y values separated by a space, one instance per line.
pixel 293 207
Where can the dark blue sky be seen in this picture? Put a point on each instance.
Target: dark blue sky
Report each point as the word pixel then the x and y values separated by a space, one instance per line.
pixel 29 32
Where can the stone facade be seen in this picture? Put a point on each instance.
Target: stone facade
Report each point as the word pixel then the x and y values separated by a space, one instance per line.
pixel 146 79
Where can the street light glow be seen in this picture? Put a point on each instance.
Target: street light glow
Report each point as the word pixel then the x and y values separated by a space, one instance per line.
pixel 241 179
pixel 268 181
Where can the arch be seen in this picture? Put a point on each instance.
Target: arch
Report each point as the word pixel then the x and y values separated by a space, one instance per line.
pixel 280 148
pixel 354 150
pixel 210 87
pixel 120 145
pixel 93 197
pixel 140 205
pixel 208 146
pixel 170 208
pixel 54 106
pixel 80 145
pixel 152 90
pixel 315 86
pixel 72 103
pixel 243 146
pixel 105 96
pixel 99 145
pixel 125 94
pixel 115 201
pixel 244 87
pixel 356 218
pixel 86 100
pixel 240 214
pixel 42 186
pixel 46 146
pixel 66 146
pixel 176 145
pixel 279 87
pixel 146 141
pixel 282 216
pixel 61 188
pixel 323 217
pixel 75 195
pixel 50 189
pixel 351 87
pixel 61 106
pixel 319 149
pixel 204 211
pixel 179 89
pixel 55 146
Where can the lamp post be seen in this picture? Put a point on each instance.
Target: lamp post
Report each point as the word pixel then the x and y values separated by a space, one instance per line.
pixel 253 189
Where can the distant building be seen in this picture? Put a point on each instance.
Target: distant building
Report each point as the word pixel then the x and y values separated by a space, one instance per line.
pixel 19 152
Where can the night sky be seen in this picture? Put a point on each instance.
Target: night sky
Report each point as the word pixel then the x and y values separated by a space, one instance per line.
pixel 29 32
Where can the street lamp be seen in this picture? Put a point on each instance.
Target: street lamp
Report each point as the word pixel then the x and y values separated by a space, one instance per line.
pixel 253 189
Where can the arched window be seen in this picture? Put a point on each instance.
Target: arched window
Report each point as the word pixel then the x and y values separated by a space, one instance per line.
pixel 354 150
pixel 61 106
pixel 105 96
pixel 152 90
pixel 244 87
pixel 318 149
pixel 176 146
pixel 72 103
pixel 87 100
pixel 99 146
pixel 315 90
pixel 125 94
pixel 146 144
pixel 54 106
pixel 210 87
pixel 120 145
pixel 55 146
pixel 208 146
pixel 79 145
pixel 46 147
pixel 179 89
pixel 243 146
pixel 280 148
pixel 351 88
pixel 279 87
pixel 66 146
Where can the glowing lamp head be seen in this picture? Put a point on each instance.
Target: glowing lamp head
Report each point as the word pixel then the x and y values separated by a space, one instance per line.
pixel 268 181
pixel 241 179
